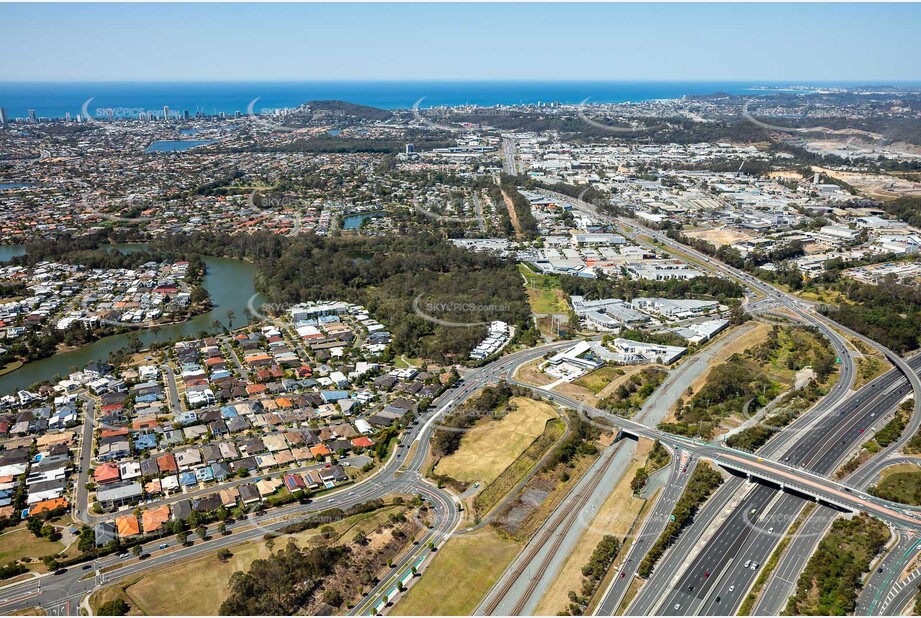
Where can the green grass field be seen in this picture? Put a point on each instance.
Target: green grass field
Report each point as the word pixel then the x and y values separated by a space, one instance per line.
pixel 544 292
pixel 598 379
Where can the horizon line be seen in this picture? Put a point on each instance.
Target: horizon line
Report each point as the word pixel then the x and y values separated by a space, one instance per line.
pixel 754 81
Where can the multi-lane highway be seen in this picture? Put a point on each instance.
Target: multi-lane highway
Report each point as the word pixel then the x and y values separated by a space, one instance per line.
pixel 720 564
pixel 824 454
pixel 655 522
pixel 714 582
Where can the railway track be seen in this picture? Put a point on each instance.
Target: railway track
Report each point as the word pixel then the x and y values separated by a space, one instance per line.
pixel 555 533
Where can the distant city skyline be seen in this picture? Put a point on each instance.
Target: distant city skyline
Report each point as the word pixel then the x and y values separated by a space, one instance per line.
pixel 875 43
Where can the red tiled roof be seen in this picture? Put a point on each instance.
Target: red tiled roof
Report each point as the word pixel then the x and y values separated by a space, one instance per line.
pixel 106 473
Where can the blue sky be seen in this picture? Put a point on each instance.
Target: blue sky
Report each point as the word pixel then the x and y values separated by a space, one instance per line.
pixel 150 42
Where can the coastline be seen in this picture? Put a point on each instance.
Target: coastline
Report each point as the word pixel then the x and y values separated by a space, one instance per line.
pixel 54 100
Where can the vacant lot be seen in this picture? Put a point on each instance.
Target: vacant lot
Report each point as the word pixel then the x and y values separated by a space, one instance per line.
pixel 530 374
pixel 22 543
pixel 460 575
pixel 718 237
pixel 880 186
pixel 165 592
pixel 600 378
pixel 512 475
pixel 492 445
pixel 544 292
pixel 10 367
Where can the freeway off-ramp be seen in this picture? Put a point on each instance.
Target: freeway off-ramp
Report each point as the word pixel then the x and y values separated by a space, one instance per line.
pixel 778 588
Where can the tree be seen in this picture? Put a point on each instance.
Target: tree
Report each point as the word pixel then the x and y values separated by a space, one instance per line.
pixel 87 542
pixel 136 550
pixel 116 607
pixel 182 536
pixel 332 597
pixel 224 555
pixel 202 532
pixel 134 342
pixel 230 318
pixel 34 525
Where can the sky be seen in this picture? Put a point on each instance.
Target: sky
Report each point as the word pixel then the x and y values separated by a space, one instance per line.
pixel 217 42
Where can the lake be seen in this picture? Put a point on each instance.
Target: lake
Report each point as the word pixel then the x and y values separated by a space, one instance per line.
pixel 8 252
pixel 353 222
pixel 177 145
pixel 230 283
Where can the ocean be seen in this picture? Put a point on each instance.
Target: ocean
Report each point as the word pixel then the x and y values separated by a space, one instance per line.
pixel 55 99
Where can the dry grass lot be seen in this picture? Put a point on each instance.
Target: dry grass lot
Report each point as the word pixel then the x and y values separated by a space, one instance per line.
pixel 492 445
pixel 21 544
pixel 165 592
pixel 459 576
pixel 718 237
pixel 530 374
pixel 618 380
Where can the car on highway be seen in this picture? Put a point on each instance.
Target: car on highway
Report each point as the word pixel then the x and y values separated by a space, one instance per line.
pixel 677 605
pixel 748 563
pixel 164 545
pixel 731 588
pixel 771 529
